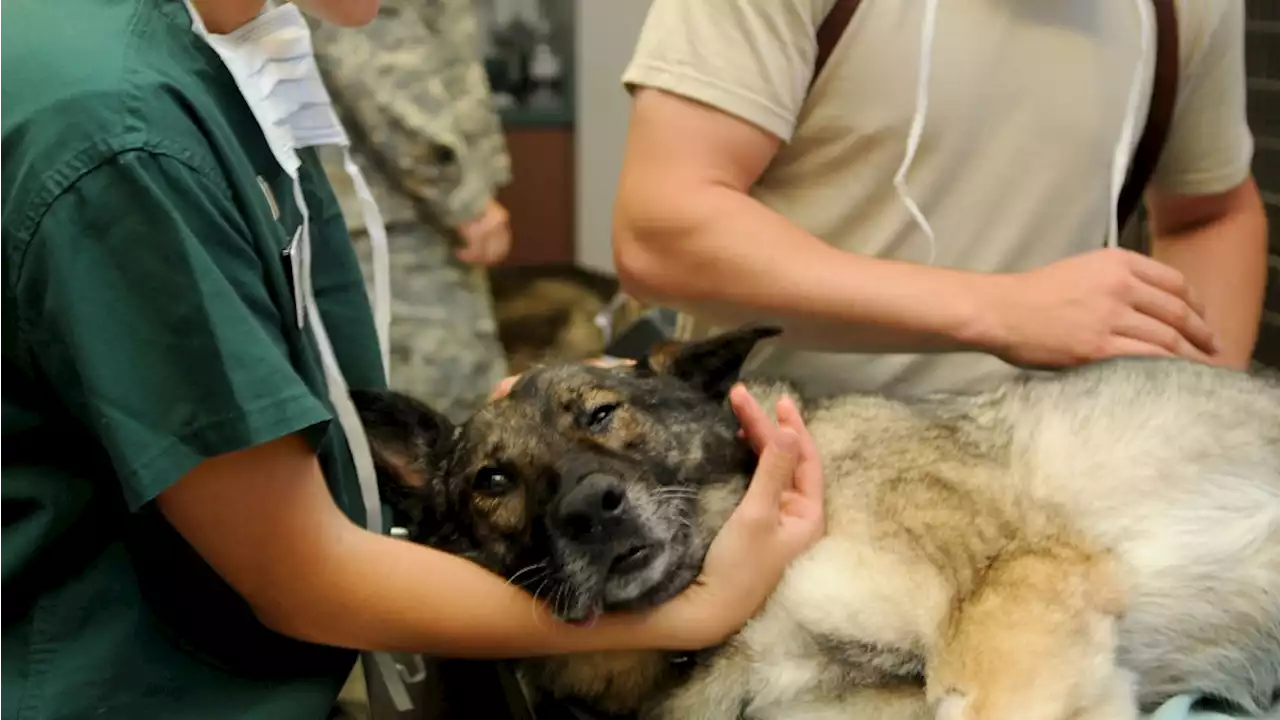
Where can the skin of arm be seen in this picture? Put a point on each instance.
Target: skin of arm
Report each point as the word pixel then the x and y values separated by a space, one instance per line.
pixel 264 519
pixel 688 235
pixel 1219 243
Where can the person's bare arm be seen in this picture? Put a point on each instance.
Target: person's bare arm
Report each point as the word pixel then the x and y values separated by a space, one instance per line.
pixel 1206 217
pixel 687 234
pixel 1219 243
pixel 264 520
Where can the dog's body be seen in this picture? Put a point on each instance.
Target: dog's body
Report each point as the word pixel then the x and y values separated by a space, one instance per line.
pixel 1069 546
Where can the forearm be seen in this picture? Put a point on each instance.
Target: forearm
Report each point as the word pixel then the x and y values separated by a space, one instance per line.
pixel 1225 261
pixel 264 519
pixel 380 593
pixel 725 256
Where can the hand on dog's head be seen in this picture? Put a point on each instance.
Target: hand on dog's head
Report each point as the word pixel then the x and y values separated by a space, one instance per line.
pixel 599 487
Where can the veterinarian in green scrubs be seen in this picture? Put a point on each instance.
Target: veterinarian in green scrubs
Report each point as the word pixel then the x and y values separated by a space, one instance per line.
pixel 182 314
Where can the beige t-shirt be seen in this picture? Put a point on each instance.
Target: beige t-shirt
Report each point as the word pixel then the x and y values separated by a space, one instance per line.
pixel 1026 102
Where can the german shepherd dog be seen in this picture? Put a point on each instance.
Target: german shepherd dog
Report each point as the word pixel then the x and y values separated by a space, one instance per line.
pixel 1082 544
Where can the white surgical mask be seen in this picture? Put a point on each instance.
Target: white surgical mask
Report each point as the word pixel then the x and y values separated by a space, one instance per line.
pixel 273 64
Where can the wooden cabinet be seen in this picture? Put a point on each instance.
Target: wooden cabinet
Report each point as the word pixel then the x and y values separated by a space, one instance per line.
pixel 540 198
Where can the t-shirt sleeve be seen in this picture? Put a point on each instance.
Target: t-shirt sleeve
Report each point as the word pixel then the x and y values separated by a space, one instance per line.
pixel 1210 147
pixel 146 311
pixel 747 58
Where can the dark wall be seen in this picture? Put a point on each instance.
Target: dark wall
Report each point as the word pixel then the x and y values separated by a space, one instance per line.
pixel 1262 58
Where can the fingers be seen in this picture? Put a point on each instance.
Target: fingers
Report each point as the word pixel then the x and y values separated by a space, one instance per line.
pixel 602 362
pixel 499 245
pixel 1157 274
pixel 486 240
pixel 503 387
pixel 472 250
pixel 756 425
pixel 1183 325
pixel 478 248
pixel 808 476
pixel 1130 347
pixel 774 473
pixel 1156 338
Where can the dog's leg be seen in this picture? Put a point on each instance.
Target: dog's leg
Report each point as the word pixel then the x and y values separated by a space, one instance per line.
pixel 902 702
pixel 1035 641
pixel 718 690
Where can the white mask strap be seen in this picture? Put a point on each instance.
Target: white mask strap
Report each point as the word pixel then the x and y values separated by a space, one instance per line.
pixel 380 255
pixel 917 124
pixel 1124 145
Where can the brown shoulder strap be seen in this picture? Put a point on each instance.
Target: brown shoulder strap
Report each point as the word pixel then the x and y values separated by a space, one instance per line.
pixel 1164 94
pixel 829 32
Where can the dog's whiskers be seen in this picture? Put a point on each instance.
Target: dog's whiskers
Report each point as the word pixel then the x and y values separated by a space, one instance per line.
pixel 556 598
pixel 511 580
pixel 683 517
pixel 533 607
pixel 675 492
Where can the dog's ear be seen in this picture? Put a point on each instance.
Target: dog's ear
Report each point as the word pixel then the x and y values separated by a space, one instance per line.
pixel 711 365
pixel 408 439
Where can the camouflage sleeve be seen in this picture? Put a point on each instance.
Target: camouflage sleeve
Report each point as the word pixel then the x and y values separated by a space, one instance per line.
pixel 480 123
pixel 390 81
pixel 491 142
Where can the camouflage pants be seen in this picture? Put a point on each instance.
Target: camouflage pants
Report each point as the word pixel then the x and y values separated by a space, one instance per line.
pixel 444 339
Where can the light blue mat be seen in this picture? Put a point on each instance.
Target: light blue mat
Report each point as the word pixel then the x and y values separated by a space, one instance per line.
pixel 1181 708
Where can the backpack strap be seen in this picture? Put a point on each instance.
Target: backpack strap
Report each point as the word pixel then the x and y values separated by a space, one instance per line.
pixel 1164 93
pixel 829 33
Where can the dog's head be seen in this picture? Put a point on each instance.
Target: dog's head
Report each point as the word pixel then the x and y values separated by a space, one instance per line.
pixel 596 489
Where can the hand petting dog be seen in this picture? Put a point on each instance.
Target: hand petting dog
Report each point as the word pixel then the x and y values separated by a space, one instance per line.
pixel 780 517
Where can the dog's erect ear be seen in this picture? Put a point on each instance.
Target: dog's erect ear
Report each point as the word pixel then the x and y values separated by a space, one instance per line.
pixel 711 365
pixel 407 438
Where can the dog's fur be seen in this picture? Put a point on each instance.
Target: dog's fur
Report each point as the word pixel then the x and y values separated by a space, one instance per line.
pixel 1075 545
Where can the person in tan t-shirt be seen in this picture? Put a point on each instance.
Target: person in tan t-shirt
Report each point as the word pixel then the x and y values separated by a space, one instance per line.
pixel 746 195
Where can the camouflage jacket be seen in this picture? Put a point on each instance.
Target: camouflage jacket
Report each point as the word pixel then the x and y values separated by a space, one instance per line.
pixel 412 92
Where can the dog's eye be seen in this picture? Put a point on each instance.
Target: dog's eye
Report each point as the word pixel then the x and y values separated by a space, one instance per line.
pixel 492 481
pixel 599 416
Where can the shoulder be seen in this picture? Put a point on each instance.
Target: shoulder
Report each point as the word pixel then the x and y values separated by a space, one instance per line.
pixel 95 79
pixel 752 60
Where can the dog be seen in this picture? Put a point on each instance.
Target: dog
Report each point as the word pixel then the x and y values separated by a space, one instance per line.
pixel 1082 544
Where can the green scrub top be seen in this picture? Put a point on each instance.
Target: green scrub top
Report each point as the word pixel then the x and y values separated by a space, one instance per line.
pixel 149 324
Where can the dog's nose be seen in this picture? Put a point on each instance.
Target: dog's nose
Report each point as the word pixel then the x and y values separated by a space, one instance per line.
pixel 587 512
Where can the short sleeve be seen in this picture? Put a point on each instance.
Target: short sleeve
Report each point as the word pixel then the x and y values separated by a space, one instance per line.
pixel 747 58
pixel 1210 147
pixel 143 302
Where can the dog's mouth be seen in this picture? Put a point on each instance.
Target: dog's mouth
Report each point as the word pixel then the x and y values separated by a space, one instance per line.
pixel 633 559
pixel 643 574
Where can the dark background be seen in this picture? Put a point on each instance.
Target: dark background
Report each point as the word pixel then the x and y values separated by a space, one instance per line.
pixel 1262 52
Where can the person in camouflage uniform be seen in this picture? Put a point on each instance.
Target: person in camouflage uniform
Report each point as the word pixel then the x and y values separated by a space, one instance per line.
pixel 413 94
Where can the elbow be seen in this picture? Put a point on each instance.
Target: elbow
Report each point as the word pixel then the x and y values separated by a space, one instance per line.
pixel 639 271
pixel 655 249
pixel 291 619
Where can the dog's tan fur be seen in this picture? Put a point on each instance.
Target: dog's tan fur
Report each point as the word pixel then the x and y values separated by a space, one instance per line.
pixel 1071 547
